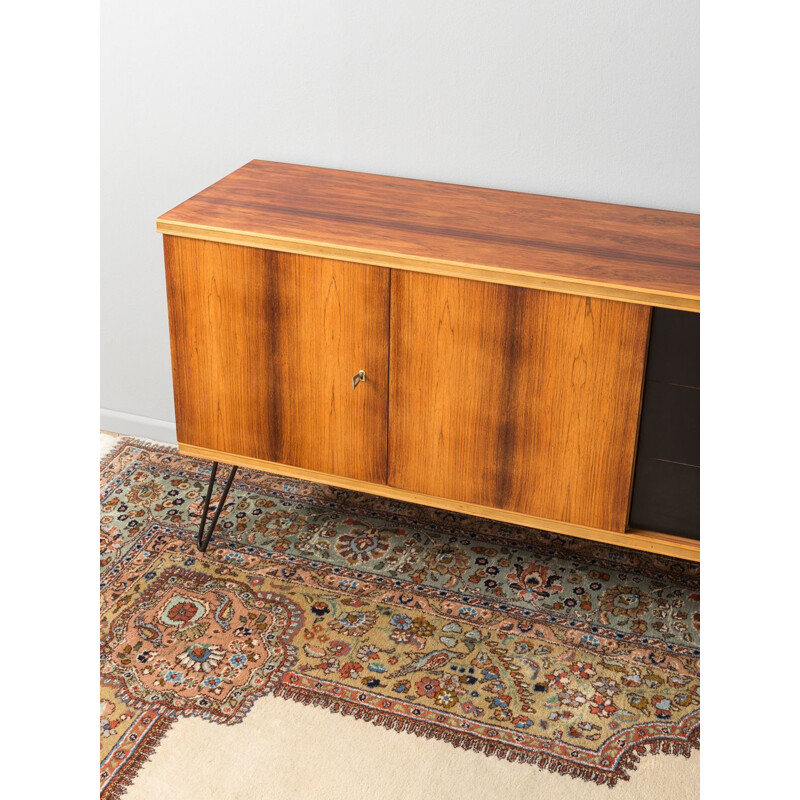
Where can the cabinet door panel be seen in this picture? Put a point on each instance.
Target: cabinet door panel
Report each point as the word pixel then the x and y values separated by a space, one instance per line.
pixel 515 398
pixel 264 348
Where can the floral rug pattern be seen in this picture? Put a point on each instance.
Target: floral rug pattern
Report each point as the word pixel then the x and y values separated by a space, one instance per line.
pixel 517 643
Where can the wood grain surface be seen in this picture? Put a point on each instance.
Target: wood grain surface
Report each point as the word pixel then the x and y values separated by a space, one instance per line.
pixel 514 398
pixel 264 348
pixel 592 249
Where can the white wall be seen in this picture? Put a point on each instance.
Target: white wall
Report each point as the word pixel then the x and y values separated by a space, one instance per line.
pixel 595 99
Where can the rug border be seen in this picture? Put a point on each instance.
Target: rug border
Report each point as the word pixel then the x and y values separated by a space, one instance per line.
pixel 118 784
pixel 627 760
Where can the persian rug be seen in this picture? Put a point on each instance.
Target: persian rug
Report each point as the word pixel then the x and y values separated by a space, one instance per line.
pixel 521 644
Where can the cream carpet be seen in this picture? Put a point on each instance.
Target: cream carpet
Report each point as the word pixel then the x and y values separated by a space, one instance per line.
pixel 284 750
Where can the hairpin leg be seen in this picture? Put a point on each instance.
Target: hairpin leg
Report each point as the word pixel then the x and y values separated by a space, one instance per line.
pixel 203 537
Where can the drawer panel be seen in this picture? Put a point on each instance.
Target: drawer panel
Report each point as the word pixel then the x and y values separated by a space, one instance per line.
pixel 670 427
pixel 674 353
pixel 666 498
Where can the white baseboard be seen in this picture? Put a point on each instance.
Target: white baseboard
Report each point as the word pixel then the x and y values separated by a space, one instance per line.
pixel 134 425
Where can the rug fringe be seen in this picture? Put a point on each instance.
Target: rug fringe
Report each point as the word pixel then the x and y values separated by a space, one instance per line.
pixel 119 784
pixel 627 761
pixel 679 747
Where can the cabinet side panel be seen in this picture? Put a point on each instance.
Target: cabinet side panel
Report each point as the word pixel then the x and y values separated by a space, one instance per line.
pixel 515 398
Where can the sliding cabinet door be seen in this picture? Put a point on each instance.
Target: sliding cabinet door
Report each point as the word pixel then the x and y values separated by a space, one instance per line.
pixel 265 346
pixel 515 398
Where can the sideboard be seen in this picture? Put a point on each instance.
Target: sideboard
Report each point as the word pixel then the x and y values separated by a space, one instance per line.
pixel 529 359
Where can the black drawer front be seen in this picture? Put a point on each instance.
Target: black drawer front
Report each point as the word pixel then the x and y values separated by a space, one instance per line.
pixel 674 352
pixel 670 426
pixel 666 498
pixel 666 483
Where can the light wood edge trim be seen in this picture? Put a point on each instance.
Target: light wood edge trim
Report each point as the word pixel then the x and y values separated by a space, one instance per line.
pixel 453 269
pixel 649 541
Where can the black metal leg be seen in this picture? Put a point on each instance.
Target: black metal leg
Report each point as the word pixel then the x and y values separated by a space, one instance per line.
pixel 207 503
pixel 203 537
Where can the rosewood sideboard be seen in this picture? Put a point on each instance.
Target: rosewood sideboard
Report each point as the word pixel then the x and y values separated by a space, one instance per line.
pixel 530 359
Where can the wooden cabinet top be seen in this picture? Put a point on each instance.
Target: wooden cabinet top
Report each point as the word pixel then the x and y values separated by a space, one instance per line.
pixel 638 255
